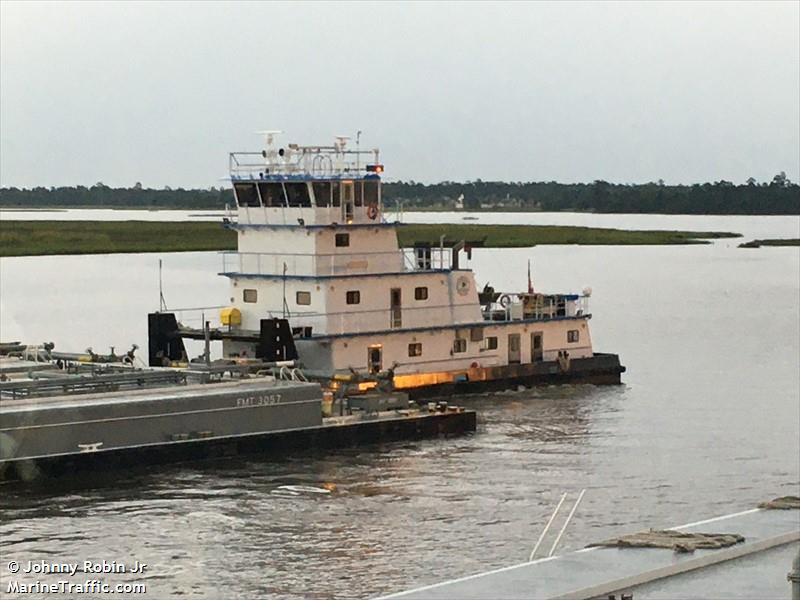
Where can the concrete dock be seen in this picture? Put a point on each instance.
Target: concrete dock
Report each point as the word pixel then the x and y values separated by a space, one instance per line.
pixel 600 571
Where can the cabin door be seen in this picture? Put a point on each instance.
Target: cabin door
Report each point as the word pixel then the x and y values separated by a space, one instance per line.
pixel 395 308
pixel 348 198
pixel 513 348
pixel 537 348
pixel 375 359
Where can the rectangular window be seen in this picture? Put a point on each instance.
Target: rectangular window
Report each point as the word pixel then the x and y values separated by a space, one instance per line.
pixel 297 194
pixel 476 334
pixel 271 194
pixel 342 240
pixel 491 343
pixel 246 194
pixel 371 192
pixel 336 197
pixel 421 293
pixel 250 295
pixel 572 336
pixel 322 192
pixel 459 345
pixel 359 192
pixel 415 349
pixel 354 297
pixel 303 298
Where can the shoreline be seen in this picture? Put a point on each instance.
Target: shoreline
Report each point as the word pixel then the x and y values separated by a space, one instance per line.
pixel 42 238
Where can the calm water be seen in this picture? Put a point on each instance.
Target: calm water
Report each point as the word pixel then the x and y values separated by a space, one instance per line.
pixel 708 422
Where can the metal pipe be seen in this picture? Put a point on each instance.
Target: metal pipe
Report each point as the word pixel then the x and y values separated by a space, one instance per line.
pixel 547 527
pixel 566 523
pixel 207 340
pixel 794 576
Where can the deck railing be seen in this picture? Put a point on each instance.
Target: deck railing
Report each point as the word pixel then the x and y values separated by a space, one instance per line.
pixel 297 264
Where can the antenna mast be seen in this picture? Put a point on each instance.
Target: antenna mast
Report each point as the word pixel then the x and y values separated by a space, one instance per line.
pixel 161 302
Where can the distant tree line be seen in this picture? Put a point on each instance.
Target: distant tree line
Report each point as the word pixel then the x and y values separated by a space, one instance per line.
pixel 779 197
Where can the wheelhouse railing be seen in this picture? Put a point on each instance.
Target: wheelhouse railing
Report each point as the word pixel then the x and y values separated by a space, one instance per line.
pixel 315 161
pixel 497 306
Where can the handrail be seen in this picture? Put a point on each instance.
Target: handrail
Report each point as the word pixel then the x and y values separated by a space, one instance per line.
pixel 566 523
pixel 308 263
pixel 547 527
pixel 550 523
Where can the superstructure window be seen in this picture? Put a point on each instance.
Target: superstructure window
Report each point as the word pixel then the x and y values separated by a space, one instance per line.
pixel 491 343
pixel 421 293
pixel 342 240
pixel 476 334
pixel 250 295
pixel 371 192
pixel 303 298
pixel 271 194
pixel 459 345
pixel 336 195
pixel 573 335
pixel 353 297
pixel 246 194
pixel 297 194
pixel 322 192
pixel 415 349
pixel 359 193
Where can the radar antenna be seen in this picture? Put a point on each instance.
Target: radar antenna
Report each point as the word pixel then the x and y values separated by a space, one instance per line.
pixel 341 141
pixel 270 154
pixel 269 135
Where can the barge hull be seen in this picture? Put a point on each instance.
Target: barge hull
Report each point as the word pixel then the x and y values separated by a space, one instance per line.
pixel 600 369
pixel 339 434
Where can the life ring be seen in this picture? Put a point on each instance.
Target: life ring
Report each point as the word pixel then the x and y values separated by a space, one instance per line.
pixel 372 211
pixel 505 300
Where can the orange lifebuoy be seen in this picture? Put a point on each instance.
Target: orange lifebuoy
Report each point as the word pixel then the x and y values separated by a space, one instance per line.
pixel 372 211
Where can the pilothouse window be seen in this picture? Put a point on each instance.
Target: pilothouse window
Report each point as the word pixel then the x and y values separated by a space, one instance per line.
pixel 370 193
pixel 272 194
pixel 322 193
pixel 297 194
pixel 246 194
pixel 359 200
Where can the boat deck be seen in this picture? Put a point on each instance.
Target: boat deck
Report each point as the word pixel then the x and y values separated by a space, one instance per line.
pixel 169 392
pixel 600 571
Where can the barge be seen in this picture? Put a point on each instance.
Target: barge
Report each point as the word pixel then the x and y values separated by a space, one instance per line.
pixel 59 417
pixel 317 249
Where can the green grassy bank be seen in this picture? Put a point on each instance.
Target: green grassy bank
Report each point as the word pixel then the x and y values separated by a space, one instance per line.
pixel 520 236
pixel 31 238
pixel 781 242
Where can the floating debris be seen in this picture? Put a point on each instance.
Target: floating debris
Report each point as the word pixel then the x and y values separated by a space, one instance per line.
pixel 782 503
pixel 675 540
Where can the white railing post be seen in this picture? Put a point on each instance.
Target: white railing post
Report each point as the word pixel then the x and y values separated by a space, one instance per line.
pixel 566 523
pixel 547 527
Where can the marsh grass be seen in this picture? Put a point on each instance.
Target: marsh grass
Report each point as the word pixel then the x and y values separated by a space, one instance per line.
pixel 35 238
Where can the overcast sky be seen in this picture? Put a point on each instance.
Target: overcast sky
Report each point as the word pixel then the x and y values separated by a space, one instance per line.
pixel 160 93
